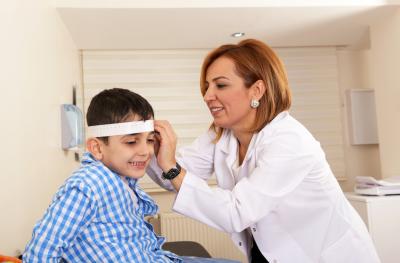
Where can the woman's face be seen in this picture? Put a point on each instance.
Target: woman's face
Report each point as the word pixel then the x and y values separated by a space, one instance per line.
pixel 227 97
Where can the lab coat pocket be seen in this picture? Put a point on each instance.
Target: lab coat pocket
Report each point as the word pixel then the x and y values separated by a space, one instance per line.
pixel 349 248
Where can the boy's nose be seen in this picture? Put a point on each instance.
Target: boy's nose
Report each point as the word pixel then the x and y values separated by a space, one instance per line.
pixel 145 149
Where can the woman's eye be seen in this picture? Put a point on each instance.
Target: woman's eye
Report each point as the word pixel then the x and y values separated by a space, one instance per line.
pixel 220 86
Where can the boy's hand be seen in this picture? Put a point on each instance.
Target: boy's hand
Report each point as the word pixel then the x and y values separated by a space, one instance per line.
pixel 165 146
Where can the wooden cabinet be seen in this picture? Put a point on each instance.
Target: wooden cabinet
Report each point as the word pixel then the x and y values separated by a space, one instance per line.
pixel 381 214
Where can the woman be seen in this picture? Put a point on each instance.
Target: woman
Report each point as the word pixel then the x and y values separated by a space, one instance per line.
pixel 276 193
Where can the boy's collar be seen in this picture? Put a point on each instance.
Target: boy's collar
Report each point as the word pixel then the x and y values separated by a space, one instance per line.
pixel 88 158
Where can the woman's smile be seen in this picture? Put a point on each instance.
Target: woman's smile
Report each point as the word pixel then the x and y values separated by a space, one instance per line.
pixel 216 110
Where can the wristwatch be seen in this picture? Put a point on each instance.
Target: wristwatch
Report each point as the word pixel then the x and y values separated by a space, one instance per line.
pixel 172 173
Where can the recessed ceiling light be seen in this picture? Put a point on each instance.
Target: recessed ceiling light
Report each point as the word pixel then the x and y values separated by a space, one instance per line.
pixel 238 34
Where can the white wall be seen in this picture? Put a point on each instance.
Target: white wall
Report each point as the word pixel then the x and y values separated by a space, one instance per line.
pixel 361 160
pixel 384 62
pixel 39 63
pixel 376 68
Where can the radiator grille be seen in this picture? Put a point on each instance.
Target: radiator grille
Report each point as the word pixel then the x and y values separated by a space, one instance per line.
pixel 176 227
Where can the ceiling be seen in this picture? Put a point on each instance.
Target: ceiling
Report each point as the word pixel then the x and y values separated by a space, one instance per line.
pixel 102 25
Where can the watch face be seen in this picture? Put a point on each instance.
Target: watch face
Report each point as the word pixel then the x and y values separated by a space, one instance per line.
pixel 172 173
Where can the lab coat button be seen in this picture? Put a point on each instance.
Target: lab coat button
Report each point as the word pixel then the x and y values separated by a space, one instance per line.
pixel 254 229
pixel 240 243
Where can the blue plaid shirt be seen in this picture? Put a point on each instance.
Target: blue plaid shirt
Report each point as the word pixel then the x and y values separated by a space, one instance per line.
pixel 93 218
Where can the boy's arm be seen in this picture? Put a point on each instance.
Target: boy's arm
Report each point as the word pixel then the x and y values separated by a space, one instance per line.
pixel 71 211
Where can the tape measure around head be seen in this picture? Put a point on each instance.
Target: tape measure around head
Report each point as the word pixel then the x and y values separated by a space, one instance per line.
pixel 123 128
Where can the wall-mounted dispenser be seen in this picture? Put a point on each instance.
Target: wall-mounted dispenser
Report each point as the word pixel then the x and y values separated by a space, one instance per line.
pixel 361 112
pixel 72 133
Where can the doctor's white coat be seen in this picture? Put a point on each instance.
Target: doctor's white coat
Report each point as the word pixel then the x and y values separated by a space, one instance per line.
pixel 286 195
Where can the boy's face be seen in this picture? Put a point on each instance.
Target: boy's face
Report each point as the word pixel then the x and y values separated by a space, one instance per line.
pixel 129 155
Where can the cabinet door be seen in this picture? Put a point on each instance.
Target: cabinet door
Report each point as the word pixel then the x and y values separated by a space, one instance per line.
pixel 385 228
pixel 381 215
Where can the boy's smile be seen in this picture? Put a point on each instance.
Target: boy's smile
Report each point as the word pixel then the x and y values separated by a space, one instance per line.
pixel 138 165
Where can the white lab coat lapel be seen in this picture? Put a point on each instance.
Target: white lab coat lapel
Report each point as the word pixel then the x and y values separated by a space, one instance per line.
pixel 226 147
pixel 249 161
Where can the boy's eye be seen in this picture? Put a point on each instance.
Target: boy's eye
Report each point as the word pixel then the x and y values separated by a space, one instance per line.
pixel 151 141
pixel 130 142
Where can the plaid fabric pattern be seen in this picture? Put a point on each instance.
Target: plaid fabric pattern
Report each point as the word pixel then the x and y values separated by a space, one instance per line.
pixel 93 218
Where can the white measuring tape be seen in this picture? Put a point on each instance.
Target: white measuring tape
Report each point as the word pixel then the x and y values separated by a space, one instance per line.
pixel 122 128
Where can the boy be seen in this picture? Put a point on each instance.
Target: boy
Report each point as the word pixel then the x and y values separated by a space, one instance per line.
pixel 98 214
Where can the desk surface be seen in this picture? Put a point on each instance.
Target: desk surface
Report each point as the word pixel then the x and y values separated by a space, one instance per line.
pixel 370 198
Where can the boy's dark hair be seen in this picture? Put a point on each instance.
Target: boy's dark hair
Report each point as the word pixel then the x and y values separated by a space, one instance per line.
pixel 115 106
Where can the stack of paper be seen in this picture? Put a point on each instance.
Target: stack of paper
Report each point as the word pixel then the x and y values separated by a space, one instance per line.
pixel 367 185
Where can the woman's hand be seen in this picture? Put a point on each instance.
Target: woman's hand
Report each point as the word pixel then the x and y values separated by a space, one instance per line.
pixel 166 148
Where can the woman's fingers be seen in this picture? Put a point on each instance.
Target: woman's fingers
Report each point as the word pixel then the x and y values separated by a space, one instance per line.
pixel 165 130
pixel 167 144
pixel 157 142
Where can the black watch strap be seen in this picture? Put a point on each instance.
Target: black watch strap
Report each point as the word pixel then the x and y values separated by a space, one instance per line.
pixel 172 173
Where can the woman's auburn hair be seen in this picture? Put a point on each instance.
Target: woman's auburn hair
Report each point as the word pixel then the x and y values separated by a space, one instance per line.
pixel 254 60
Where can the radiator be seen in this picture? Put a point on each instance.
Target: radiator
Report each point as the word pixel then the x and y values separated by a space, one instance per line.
pixel 176 227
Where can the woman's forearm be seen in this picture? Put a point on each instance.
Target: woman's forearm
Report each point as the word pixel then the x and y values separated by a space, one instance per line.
pixel 177 181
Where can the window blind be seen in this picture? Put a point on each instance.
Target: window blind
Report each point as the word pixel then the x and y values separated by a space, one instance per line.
pixel 169 79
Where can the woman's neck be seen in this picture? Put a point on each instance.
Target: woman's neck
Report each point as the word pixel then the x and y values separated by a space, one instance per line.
pixel 244 139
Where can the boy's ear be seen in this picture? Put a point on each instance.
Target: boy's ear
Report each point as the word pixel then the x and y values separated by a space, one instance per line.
pixel 93 145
